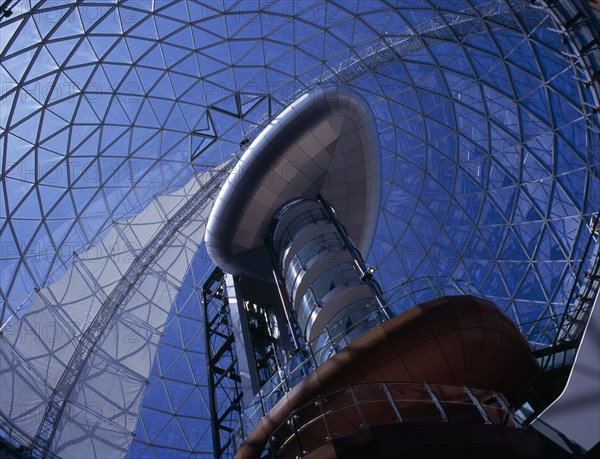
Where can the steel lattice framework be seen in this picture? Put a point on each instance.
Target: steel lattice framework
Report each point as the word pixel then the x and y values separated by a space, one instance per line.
pixel 89 339
pixel 488 120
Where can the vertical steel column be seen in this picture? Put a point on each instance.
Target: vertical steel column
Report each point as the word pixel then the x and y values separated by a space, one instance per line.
pixel 288 308
pixel 366 276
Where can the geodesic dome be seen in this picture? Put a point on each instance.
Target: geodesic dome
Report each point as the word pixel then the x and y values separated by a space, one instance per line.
pixel 119 120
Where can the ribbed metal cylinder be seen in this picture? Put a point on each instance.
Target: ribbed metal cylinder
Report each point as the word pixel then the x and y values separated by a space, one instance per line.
pixel 317 264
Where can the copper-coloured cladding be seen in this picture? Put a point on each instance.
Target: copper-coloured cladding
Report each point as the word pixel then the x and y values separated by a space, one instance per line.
pixel 459 340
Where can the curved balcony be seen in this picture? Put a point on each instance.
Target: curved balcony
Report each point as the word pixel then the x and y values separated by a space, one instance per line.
pixel 359 407
pixel 355 320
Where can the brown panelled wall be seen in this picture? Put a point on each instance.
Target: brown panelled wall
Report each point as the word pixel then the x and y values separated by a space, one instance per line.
pixel 459 340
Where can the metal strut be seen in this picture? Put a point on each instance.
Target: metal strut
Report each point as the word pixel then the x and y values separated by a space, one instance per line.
pixel 387 49
pixel 54 409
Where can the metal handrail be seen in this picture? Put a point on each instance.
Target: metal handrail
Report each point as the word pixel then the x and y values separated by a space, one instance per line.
pixel 399 402
pixel 337 336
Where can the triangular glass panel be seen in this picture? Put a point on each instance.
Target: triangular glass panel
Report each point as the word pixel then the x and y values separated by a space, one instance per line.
pixel 145 29
pixel 178 391
pixel 175 54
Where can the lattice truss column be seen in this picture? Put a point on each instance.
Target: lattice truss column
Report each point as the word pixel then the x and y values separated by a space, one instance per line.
pixel 74 365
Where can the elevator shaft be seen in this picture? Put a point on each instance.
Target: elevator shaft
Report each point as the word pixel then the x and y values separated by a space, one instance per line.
pixel 323 273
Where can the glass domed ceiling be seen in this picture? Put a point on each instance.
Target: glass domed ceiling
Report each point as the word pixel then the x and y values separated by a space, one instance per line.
pixel 488 127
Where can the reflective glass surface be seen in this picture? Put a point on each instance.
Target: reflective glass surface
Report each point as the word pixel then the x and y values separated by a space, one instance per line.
pixel 488 133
